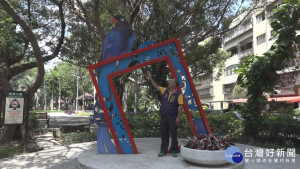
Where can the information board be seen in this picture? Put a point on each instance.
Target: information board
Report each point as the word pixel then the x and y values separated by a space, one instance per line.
pixel 14 107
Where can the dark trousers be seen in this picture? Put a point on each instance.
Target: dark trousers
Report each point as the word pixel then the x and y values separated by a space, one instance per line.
pixel 168 125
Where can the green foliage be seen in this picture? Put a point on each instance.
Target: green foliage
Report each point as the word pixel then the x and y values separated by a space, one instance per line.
pixel 289 110
pixel 33 122
pixel 280 129
pixel 7 28
pixel 207 56
pixel 78 137
pixel 63 77
pixel 16 148
pixel 84 114
pixel 258 74
pixel 148 125
pixel 226 125
pixel 271 129
pixel 204 107
pixel 276 146
pixel 144 125
pixel 1 130
pixel 207 142
pixel 297 111
pixel 9 151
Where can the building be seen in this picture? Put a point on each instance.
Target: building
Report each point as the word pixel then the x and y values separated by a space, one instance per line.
pixel 252 36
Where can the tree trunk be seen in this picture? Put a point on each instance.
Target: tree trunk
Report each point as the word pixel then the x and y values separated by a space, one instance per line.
pixel 59 97
pixel 83 101
pixel 9 130
pixel 45 98
pixel 52 100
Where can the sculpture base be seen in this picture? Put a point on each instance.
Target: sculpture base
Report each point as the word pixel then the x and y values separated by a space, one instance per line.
pixel 147 158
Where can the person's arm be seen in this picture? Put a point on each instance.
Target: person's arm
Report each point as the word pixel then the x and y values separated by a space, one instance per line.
pixel 180 108
pixel 155 85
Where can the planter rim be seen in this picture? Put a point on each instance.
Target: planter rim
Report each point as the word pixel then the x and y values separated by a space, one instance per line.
pixel 204 157
pixel 202 150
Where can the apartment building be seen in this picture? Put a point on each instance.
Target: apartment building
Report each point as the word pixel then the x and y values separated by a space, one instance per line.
pixel 252 36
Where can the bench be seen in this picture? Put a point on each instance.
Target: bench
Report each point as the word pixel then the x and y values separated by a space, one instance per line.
pixel 76 127
pixel 43 117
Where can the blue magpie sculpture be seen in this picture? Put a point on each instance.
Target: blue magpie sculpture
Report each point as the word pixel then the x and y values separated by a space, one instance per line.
pixel 119 39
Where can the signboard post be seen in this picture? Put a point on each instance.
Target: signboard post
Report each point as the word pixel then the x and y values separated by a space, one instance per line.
pixel 14 107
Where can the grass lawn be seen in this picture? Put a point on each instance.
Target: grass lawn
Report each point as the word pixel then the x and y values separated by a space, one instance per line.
pixel 16 148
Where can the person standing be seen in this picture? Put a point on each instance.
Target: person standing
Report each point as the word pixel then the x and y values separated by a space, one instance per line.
pixel 170 111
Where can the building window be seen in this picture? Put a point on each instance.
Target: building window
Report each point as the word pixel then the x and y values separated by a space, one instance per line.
pixel 230 70
pixel 245 46
pixel 204 79
pixel 260 17
pixel 261 39
pixel 228 88
pixel 206 92
pixel 233 51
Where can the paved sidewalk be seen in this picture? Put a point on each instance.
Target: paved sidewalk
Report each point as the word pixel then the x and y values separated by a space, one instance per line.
pixel 65 157
pixel 46 141
pixel 60 157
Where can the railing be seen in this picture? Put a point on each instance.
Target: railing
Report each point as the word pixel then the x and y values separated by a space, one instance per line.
pixel 236 95
pixel 287 91
pixel 238 31
pixel 246 53
pixel 205 92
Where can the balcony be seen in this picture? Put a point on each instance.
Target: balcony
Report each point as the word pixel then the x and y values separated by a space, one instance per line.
pixel 287 91
pixel 236 95
pixel 206 80
pixel 246 53
pixel 238 31
pixel 207 92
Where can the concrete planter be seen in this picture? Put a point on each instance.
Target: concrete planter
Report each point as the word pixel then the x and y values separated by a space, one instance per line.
pixel 203 157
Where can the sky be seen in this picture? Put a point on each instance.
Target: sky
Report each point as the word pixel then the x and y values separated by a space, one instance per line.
pixel 52 63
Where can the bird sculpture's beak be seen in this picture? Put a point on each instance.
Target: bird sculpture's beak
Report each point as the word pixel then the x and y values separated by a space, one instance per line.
pixel 113 20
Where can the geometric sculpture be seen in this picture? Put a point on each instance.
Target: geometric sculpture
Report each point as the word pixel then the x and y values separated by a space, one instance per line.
pixel 102 74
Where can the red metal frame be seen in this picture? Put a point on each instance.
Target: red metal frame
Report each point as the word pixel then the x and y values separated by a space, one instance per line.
pixel 193 87
pixel 110 76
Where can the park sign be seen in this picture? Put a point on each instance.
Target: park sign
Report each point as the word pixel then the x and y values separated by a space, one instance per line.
pixel 14 107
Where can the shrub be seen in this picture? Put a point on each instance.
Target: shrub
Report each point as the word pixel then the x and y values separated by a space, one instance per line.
pixel 78 137
pixel 207 142
pixel 144 125
pixel 297 111
pixel 226 125
pixel 287 110
pixel 280 129
pixel 148 125
pixel 33 122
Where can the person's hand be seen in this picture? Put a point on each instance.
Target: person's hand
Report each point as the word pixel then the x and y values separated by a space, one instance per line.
pixel 149 75
pixel 177 120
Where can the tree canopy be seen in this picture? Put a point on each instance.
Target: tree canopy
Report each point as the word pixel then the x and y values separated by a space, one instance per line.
pixel 34 32
pixel 259 74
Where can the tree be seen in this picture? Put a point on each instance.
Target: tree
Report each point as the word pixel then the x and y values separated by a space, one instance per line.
pixel 13 55
pixel 190 21
pixel 60 83
pixel 259 74
pixel 207 56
